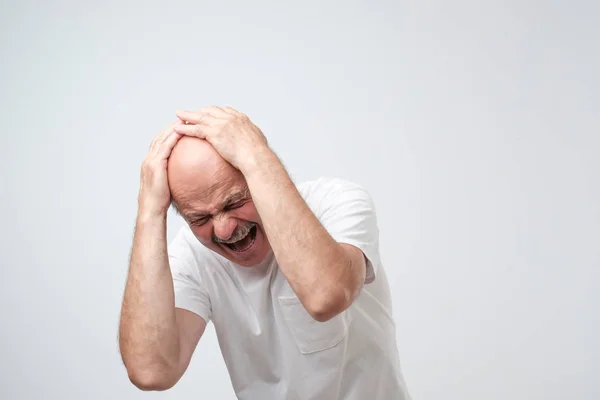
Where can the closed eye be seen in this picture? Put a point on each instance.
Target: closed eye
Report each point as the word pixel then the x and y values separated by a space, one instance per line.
pixel 235 205
pixel 199 221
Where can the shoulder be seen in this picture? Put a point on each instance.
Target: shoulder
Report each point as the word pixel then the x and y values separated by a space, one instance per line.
pixel 325 192
pixel 325 185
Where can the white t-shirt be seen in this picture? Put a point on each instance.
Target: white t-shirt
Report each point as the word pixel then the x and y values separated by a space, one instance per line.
pixel 273 348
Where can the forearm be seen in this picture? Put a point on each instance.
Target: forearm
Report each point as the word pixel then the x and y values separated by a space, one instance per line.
pixel 148 332
pixel 312 261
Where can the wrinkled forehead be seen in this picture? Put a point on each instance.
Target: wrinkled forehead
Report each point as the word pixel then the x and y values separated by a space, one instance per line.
pixel 207 199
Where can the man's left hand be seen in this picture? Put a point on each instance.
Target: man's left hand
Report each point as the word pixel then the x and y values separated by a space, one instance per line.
pixel 230 132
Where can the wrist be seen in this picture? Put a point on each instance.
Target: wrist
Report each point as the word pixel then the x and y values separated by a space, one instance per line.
pixel 261 159
pixel 151 216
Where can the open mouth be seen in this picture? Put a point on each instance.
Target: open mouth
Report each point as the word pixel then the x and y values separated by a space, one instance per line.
pixel 245 243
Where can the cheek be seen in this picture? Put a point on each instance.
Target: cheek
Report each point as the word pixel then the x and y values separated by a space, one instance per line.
pixel 203 233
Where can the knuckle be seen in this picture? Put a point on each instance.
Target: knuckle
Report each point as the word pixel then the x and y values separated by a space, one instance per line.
pixel 145 167
pixel 149 164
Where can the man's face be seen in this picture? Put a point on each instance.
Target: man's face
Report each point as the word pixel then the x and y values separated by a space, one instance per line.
pixel 223 218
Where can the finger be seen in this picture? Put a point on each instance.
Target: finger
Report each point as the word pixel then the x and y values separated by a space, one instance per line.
pixel 169 131
pixel 231 111
pixel 165 149
pixel 197 117
pixel 213 110
pixel 191 117
pixel 198 131
pixel 160 138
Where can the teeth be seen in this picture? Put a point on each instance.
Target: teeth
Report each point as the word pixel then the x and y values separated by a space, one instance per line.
pixel 237 238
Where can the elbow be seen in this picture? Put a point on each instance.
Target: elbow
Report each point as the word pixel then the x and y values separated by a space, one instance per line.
pixel 148 380
pixel 324 307
pixel 333 295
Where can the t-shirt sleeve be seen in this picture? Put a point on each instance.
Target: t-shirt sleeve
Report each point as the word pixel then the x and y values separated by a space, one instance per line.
pixel 347 212
pixel 190 291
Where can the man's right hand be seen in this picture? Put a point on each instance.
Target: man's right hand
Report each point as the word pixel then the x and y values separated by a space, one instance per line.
pixel 156 339
pixel 154 197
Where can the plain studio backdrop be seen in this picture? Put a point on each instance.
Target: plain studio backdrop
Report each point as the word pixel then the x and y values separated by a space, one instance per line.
pixel 473 124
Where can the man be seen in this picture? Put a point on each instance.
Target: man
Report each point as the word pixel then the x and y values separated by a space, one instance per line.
pixel 290 275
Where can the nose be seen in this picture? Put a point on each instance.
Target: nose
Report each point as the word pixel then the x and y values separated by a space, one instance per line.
pixel 224 227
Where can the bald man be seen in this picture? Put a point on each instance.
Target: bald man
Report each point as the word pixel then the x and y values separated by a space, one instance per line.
pixel 290 275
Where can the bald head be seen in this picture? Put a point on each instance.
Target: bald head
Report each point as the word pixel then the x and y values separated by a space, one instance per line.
pixel 193 153
pixel 194 167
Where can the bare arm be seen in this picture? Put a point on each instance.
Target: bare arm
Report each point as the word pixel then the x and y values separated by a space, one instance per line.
pixel 325 275
pixel 156 340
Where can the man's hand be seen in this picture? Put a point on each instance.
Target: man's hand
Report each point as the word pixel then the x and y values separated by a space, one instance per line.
pixel 156 340
pixel 230 132
pixel 325 275
pixel 154 196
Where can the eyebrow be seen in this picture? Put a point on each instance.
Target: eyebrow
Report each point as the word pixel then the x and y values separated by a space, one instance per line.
pixel 235 197
pixel 231 199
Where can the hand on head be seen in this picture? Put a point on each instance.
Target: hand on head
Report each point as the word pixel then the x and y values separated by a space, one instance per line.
pixel 154 195
pixel 230 132
pixel 214 136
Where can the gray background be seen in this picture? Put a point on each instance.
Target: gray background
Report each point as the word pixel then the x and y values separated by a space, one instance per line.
pixel 474 125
